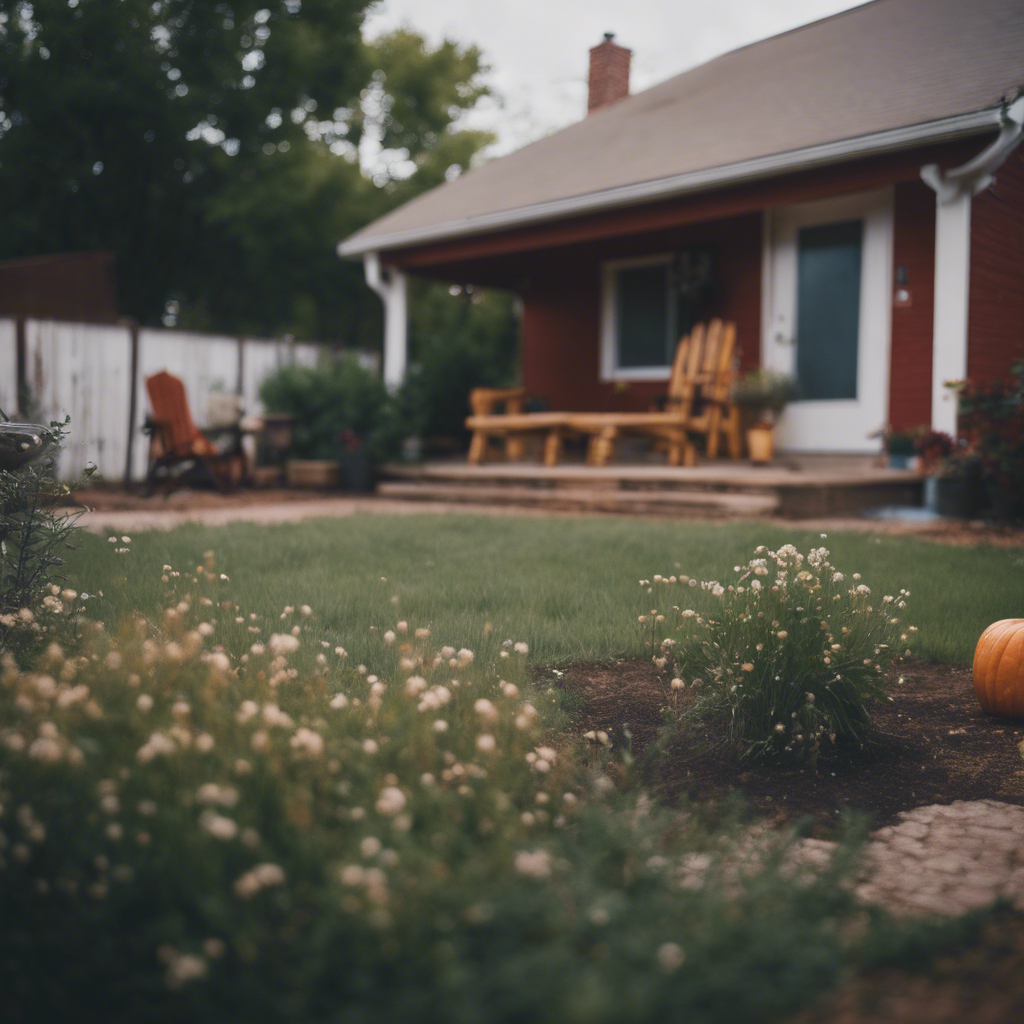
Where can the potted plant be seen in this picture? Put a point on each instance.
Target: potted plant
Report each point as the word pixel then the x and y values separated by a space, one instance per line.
pixel 339 409
pixel 763 394
pixel 991 426
pixel 355 467
pixel 899 447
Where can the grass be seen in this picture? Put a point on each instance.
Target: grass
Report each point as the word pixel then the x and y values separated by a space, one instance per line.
pixel 566 586
pixel 199 827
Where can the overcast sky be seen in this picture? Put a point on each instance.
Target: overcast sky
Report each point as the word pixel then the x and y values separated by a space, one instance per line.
pixel 537 49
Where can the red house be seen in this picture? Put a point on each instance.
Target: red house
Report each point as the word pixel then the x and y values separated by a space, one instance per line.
pixel 832 190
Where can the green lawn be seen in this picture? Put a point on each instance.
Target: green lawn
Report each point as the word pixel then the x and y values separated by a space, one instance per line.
pixel 569 587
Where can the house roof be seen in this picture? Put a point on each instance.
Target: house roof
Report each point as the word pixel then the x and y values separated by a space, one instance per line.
pixel 887 74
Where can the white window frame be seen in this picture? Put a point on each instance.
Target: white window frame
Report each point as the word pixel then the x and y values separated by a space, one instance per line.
pixel 609 369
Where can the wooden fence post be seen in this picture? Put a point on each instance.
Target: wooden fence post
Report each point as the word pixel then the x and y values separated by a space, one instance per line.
pixel 133 333
pixel 21 369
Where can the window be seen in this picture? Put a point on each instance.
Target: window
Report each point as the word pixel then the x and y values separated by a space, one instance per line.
pixel 639 319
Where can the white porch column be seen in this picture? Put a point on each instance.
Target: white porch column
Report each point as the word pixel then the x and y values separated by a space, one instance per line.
pixel 954 189
pixel 952 282
pixel 392 287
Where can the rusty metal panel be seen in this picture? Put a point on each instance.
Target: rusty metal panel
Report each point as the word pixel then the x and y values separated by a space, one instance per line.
pixel 60 286
pixel 8 367
pixel 84 371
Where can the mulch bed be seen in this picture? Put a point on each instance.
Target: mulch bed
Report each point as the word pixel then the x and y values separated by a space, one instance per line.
pixel 931 744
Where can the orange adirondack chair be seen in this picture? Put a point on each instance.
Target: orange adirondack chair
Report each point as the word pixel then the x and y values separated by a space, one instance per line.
pixel 176 440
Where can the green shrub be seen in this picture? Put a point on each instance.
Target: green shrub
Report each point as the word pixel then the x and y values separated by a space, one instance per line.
pixel 223 819
pixel 459 342
pixel 787 657
pixel 335 406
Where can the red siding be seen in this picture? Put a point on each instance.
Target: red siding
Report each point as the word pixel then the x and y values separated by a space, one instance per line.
pixel 562 311
pixel 996 318
pixel 910 376
pixel 486 252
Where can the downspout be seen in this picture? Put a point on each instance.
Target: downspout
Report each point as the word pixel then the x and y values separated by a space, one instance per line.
pixel 391 286
pixel 954 189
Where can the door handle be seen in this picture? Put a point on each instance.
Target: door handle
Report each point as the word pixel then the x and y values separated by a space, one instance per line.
pixel 781 339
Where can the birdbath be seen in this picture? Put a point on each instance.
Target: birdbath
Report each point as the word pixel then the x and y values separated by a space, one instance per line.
pixel 21 443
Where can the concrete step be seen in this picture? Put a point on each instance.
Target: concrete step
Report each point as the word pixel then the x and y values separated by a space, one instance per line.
pixel 600 499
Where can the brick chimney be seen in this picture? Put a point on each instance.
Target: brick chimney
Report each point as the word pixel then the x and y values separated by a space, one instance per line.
pixel 609 73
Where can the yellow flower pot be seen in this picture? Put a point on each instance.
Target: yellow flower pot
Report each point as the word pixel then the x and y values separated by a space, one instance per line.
pixel 761 442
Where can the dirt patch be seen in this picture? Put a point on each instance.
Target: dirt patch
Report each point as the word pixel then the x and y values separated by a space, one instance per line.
pixel 247 503
pixel 931 744
pixel 118 499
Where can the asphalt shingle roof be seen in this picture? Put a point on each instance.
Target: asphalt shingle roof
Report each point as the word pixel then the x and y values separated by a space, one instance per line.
pixel 885 65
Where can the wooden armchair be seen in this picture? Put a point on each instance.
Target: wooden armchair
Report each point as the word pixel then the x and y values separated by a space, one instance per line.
pixel 175 440
pixel 697 404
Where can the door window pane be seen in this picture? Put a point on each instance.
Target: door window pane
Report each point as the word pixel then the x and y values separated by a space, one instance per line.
pixel 828 310
pixel 643 322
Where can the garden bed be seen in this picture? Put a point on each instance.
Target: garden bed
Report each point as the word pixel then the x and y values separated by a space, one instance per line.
pixel 931 744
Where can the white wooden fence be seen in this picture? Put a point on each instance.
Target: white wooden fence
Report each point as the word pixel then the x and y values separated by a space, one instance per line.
pixel 85 371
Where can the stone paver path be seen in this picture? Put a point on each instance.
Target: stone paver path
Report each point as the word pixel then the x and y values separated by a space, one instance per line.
pixel 942 859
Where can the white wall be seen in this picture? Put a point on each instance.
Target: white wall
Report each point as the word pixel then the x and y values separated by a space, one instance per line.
pixel 84 370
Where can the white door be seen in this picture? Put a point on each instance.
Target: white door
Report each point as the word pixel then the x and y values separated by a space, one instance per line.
pixel 828 274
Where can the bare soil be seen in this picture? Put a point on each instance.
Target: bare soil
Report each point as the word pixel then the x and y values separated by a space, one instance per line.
pixel 247 503
pixel 931 744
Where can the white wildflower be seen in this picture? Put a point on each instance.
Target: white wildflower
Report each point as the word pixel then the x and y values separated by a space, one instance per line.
pixel 533 863
pixel 283 644
pixel 671 957
pixel 390 801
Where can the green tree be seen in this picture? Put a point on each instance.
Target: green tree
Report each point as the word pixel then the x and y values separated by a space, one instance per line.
pixel 460 338
pixel 217 145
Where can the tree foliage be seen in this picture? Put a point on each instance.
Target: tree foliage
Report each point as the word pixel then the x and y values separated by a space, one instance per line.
pixel 218 146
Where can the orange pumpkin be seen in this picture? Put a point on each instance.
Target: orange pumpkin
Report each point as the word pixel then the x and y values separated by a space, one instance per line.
pixel 999 669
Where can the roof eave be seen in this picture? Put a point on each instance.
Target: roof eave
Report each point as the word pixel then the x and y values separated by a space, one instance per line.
pixel 944 130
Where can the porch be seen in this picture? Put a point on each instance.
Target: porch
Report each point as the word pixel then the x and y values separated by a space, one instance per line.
pixel 794 487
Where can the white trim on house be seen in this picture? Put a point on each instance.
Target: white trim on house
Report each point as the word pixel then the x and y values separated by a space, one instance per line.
pixel 608 368
pixel 954 189
pixel 392 287
pixel 930 132
pixel 841 425
pixel 952 285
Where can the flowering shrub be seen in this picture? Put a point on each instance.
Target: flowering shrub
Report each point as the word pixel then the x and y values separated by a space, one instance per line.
pixel 991 421
pixel 218 817
pixel 787 657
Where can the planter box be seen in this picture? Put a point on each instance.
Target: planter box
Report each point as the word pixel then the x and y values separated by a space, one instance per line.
pixel 267 476
pixel 356 472
pixel 311 473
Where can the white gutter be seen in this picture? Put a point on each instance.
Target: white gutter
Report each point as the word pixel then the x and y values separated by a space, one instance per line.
pixel 954 190
pixel 943 130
